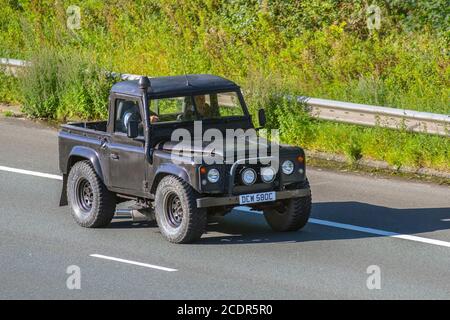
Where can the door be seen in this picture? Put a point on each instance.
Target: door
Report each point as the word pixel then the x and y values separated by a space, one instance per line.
pixel 127 162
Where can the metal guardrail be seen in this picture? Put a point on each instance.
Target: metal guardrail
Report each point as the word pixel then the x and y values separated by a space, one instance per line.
pixel 346 112
pixel 11 66
pixel 369 115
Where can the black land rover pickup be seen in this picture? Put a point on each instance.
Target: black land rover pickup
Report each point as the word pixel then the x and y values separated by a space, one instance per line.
pixel 134 156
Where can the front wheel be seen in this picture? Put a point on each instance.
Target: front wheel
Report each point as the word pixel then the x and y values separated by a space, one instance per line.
pixel 291 216
pixel 177 215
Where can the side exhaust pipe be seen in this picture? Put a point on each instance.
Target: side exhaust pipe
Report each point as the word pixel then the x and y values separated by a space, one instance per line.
pixel 137 215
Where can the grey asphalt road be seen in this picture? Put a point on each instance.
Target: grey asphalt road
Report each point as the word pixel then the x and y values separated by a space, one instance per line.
pixel 239 257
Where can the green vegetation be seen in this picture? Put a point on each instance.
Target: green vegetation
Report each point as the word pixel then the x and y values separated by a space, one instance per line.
pixel 314 48
pixel 9 91
pixel 8 113
pixel 63 86
pixel 398 148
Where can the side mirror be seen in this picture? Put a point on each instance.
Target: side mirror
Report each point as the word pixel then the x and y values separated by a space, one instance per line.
pixel 262 117
pixel 132 129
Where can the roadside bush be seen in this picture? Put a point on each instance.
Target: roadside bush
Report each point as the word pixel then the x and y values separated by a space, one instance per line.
pixel 64 85
pixel 9 89
pixel 40 85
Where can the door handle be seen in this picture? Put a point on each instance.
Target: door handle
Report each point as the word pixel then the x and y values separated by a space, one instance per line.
pixel 103 144
pixel 114 156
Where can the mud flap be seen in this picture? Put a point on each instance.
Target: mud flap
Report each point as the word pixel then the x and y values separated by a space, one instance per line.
pixel 63 198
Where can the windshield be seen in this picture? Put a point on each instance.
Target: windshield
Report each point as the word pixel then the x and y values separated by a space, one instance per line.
pixel 198 107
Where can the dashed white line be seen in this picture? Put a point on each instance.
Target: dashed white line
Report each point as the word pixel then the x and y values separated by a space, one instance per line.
pixel 31 173
pixel 136 263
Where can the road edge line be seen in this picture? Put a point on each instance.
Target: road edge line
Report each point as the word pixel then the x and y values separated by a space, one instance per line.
pixel 377 232
pixel 31 173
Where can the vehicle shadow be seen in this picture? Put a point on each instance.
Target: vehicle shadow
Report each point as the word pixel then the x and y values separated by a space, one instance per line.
pixel 240 227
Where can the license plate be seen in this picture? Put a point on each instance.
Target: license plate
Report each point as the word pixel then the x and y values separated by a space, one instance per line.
pixel 257 197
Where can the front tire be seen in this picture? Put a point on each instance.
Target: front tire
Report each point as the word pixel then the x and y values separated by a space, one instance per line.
pixel 177 215
pixel 92 204
pixel 293 215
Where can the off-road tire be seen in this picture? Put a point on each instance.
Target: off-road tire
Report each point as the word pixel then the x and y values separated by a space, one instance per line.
pixel 293 215
pixel 102 204
pixel 172 192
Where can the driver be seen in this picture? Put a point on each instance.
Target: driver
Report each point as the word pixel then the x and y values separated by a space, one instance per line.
pixel 204 110
pixel 153 117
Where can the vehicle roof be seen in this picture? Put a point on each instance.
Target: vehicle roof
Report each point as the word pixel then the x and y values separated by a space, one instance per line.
pixel 177 85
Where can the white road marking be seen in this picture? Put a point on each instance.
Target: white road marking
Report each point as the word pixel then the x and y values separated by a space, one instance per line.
pixel 31 173
pixel 379 232
pixel 367 230
pixel 311 220
pixel 141 264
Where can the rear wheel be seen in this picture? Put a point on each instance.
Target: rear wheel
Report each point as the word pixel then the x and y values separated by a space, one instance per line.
pixel 92 204
pixel 177 215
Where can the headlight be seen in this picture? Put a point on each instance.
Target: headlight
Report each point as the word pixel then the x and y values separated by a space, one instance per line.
pixel 213 175
pixel 267 174
pixel 248 176
pixel 287 167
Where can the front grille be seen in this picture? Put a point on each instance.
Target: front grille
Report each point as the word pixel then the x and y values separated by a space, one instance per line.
pixel 240 168
pixel 259 186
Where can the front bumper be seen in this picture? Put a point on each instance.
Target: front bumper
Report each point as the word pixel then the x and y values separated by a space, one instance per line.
pixel 234 200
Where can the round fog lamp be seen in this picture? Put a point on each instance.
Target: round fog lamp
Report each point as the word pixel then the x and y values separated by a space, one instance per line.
pixel 287 167
pixel 213 175
pixel 267 174
pixel 248 176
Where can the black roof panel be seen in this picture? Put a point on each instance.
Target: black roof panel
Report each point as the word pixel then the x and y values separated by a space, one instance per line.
pixel 177 85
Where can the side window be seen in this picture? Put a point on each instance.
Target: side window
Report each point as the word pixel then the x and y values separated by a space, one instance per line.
pixel 126 110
